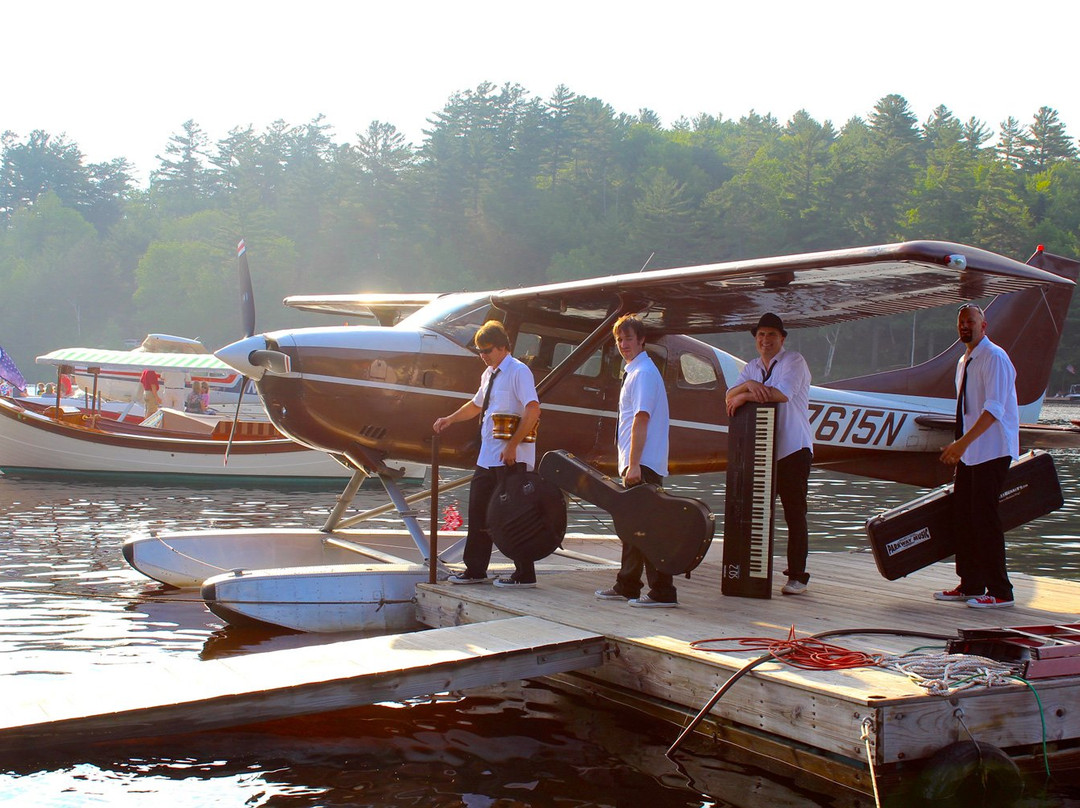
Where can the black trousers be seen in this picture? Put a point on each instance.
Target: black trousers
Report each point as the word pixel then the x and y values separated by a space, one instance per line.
pixel 980 540
pixel 792 481
pixel 628 581
pixel 478 540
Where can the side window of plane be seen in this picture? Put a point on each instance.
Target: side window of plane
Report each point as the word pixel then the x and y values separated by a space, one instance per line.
pixel 527 347
pixel 658 354
pixel 696 372
pixel 590 367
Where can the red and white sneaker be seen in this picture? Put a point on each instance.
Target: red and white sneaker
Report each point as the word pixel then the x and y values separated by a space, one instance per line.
pixel 990 602
pixel 952 594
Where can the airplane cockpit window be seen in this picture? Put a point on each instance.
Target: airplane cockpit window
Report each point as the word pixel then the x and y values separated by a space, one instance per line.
pixel 527 347
pixel 459 321
pixel 696 373
pixel 657 353
pixel 590 367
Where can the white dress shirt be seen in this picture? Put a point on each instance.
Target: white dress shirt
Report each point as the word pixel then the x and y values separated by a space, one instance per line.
pixel 991 386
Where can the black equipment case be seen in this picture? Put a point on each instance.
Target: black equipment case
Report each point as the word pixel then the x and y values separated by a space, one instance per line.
pixel 919 533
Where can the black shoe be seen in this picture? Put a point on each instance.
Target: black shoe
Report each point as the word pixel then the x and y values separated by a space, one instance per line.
pixel 463 578
pixel 510 583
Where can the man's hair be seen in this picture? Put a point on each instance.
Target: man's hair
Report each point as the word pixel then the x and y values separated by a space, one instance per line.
pixel 492 333
pixel 629 322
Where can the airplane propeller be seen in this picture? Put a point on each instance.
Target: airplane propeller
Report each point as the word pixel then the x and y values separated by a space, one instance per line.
pixel 247 311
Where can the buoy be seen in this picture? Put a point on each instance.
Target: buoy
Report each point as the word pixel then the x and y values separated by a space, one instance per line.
pixel 970 773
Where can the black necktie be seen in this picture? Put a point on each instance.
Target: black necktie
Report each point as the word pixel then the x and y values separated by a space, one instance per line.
pixel 765 376
pixel 487 399
pixel 958 430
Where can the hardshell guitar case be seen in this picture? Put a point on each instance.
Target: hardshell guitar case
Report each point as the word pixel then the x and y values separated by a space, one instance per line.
pixel 919 533
pixel 673 532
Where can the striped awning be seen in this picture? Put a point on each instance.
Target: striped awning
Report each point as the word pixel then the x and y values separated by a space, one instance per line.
pixel 113 360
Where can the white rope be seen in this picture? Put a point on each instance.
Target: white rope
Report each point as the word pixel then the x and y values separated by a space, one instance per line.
pixel 943 674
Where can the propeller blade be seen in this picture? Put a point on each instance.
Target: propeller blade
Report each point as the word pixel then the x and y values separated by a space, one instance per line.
pixel 247 296
pixel 236 419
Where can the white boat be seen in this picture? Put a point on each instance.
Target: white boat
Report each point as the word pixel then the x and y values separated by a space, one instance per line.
pixel 44 442
pixel 114 375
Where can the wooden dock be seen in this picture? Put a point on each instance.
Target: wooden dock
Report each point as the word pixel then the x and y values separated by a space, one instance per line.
pixel 810 721
pixel 136 700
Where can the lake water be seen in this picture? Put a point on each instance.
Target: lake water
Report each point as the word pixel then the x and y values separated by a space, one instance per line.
pixel 68 603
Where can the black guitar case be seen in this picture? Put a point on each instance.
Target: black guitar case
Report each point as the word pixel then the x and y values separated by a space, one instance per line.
pixel 673 532
pixel 526 515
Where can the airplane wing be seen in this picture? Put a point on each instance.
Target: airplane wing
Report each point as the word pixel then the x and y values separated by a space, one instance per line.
pixel 806 290
pixel 82 358
pixel 387 309
pixel 1032 436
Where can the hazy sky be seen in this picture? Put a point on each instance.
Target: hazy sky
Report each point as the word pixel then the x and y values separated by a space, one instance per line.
pixel 119 77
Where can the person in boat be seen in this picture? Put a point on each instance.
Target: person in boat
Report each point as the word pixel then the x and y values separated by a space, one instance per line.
pixel 783 376
pixel 194 401
pixel 641 440
pixel 150 384
pixel 506 386
pixel 205 397
pixel 67 389
pixel 987 441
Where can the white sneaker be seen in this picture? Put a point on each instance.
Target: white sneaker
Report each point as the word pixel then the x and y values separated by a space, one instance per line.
pixel 793 587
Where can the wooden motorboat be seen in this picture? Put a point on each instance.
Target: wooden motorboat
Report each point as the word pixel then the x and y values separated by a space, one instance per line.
pixel 46 441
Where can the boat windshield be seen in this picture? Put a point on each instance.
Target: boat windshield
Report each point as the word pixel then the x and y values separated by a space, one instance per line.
pixel 456 317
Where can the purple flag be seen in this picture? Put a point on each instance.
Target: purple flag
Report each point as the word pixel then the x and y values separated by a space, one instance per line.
pixel 9 372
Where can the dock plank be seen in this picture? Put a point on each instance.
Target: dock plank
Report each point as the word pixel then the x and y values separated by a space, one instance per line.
pixel 138 700
pixel 652 656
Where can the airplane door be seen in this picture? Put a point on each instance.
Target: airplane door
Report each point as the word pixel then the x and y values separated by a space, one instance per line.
pixel 572 413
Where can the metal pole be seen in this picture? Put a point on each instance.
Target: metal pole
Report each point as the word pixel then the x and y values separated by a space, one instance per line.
pixel 433 549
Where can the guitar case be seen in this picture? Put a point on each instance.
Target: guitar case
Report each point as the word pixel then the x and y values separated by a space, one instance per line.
pixel 673 532
pixel 921 532
pixel 526 515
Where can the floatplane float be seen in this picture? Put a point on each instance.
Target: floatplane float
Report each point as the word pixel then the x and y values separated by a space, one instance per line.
pixel 369 394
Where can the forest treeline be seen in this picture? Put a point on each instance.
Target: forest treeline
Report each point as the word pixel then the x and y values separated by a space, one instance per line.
pixel 509 189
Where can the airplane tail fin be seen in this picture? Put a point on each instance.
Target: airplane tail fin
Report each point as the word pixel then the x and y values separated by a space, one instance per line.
pixel 1027 324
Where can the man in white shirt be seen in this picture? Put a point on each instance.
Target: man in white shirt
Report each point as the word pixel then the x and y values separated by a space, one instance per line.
pixel 987 441
pixel 642 443
pixel 783 376
pixel 506 387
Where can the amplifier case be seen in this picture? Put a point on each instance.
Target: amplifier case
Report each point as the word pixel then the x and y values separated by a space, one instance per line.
pixel 919 533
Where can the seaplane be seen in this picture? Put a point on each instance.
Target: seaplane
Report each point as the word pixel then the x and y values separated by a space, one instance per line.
pixel 368 395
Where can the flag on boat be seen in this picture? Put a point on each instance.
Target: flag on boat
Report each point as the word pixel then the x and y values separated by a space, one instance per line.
pixel 9 372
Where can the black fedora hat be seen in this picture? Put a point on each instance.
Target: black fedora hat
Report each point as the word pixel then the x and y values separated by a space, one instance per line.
pixel 769 320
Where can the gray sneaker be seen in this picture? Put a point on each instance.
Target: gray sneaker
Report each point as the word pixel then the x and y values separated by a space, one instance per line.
pixel 793 587
pixel 648 603
pixel 609 594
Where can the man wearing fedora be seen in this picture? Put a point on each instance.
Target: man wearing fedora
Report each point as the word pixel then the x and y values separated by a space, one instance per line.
pixel 783 376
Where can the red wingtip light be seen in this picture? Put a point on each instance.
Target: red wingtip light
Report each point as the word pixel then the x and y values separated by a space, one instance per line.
pixel 1040 248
